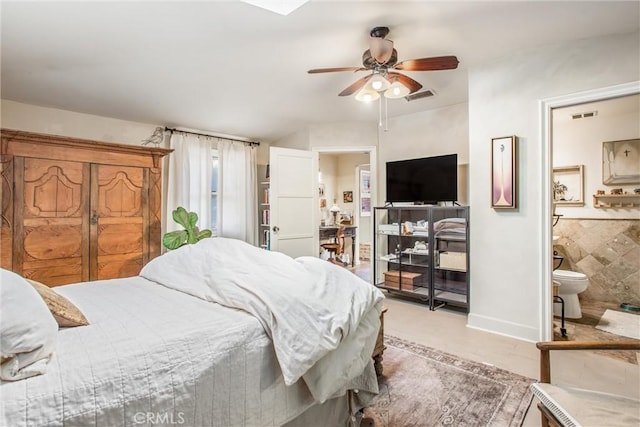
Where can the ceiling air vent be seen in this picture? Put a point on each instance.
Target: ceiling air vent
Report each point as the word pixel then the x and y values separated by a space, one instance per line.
pixel 584 115
pixel 419 95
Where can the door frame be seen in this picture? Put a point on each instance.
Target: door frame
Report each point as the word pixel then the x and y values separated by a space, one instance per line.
pixel 545 243
pixel 373 167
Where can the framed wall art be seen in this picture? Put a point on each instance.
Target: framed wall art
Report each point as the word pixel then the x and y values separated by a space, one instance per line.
pixel 568 185
pixel 365 193
pixel 621 162
pixel 503 173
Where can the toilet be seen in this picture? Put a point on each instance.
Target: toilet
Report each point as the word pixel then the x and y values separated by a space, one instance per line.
pixel 571 284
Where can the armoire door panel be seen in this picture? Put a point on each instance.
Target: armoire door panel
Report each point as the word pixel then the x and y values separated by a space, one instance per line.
pixel 52 241
pixel 120 265
pixel 54 272
pixel 110 240
pixel 53 189
pixel 119 205
pixel 120 191
pixel 52 202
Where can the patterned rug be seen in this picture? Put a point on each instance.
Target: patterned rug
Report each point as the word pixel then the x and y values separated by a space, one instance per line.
pixel 421 386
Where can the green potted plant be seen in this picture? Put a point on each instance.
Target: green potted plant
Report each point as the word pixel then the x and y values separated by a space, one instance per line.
pixel 191 234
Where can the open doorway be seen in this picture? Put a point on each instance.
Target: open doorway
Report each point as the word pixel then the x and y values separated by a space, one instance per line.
pixel 549 216
pixel 596 155
pixel 347 177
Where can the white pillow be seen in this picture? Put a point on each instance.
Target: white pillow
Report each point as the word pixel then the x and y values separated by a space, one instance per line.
pixel 28 331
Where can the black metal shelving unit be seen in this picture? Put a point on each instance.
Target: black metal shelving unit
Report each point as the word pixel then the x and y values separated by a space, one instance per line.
pixel 422 252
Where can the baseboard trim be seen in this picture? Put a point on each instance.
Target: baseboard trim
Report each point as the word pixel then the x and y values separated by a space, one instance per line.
pixel 502 327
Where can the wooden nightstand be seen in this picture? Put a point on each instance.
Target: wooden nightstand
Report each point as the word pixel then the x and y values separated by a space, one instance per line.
pixel 379 348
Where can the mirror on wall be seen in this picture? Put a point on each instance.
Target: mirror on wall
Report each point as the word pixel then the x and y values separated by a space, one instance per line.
pixel 621 162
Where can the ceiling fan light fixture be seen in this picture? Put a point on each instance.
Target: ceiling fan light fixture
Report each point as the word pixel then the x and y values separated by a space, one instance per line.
pixel 378 83
pixel 396 91
pixel 367 95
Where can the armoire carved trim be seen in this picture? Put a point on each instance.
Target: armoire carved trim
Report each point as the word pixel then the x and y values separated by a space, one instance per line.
pixel 76 209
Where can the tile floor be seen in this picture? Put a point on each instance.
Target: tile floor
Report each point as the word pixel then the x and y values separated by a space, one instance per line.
pixel 447 330
pixel 584 329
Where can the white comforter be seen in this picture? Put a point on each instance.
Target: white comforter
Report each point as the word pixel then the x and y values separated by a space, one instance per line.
pixel 153 356
pixel 322 319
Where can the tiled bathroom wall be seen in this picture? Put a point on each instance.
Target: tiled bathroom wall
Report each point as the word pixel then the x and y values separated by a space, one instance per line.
pixel 608 252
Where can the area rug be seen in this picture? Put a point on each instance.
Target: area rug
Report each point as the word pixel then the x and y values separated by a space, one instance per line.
pixel 421 386
pixel 619 323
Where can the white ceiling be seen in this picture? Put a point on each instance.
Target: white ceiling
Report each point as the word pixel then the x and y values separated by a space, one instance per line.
pixel 233 68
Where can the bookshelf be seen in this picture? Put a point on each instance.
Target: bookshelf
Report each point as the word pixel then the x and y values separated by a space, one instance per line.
pixel 264 212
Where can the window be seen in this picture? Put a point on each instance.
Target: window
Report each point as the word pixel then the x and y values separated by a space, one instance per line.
pixel 214 191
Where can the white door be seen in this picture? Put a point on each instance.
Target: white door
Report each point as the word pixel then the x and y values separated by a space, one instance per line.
pixel 293 176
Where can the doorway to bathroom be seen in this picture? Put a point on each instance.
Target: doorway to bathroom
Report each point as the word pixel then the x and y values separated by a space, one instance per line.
pixel 589 239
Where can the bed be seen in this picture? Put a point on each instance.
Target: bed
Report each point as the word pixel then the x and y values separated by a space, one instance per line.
pixel 204 338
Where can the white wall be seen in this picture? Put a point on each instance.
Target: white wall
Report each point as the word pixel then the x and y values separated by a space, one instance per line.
pixel 343 134
pixel 296 141
pixel 53 121
pixel 503 100
pixel 579 142
pixel 429 133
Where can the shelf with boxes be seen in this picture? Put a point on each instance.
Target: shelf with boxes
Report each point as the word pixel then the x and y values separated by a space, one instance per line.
pixel 422 252
pixel 264 214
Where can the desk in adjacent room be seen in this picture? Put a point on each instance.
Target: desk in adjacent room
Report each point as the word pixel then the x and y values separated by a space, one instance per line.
pixel 327 233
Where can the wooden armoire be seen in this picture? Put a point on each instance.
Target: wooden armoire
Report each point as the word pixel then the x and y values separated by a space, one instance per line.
pixel 76 210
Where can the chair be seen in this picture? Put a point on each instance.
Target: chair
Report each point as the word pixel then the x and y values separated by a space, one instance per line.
pixel 566 406
pixel 336 247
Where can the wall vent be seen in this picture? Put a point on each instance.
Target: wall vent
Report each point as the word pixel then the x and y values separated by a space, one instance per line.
pixel 584 115
pixel 427 93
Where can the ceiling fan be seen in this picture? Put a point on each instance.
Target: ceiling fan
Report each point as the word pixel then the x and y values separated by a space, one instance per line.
pixel 381 58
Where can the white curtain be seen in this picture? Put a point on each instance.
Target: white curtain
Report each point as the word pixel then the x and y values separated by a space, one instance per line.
pixel 189 185
pixel 237 189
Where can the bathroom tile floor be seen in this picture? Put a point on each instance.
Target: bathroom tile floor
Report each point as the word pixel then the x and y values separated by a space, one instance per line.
pixel 584 329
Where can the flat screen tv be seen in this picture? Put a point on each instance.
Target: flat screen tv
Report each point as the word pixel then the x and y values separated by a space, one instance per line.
pixel 427 180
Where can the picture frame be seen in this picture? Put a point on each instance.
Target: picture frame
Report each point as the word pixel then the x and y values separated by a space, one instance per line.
pixel 365 182
pixel 365 205
pixel 504 191
pixel 621 162
pixel 568 185
pixel 365 192
pixel 347 196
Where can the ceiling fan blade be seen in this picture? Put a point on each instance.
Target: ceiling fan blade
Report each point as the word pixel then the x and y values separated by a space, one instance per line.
pixel 429 64
pixel 413 85
pixel 355 86
pixel 332 70
pixel 381 49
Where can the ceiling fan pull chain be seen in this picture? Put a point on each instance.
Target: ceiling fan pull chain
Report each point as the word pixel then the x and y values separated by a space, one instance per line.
pixel 386 114
pixel 380 112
